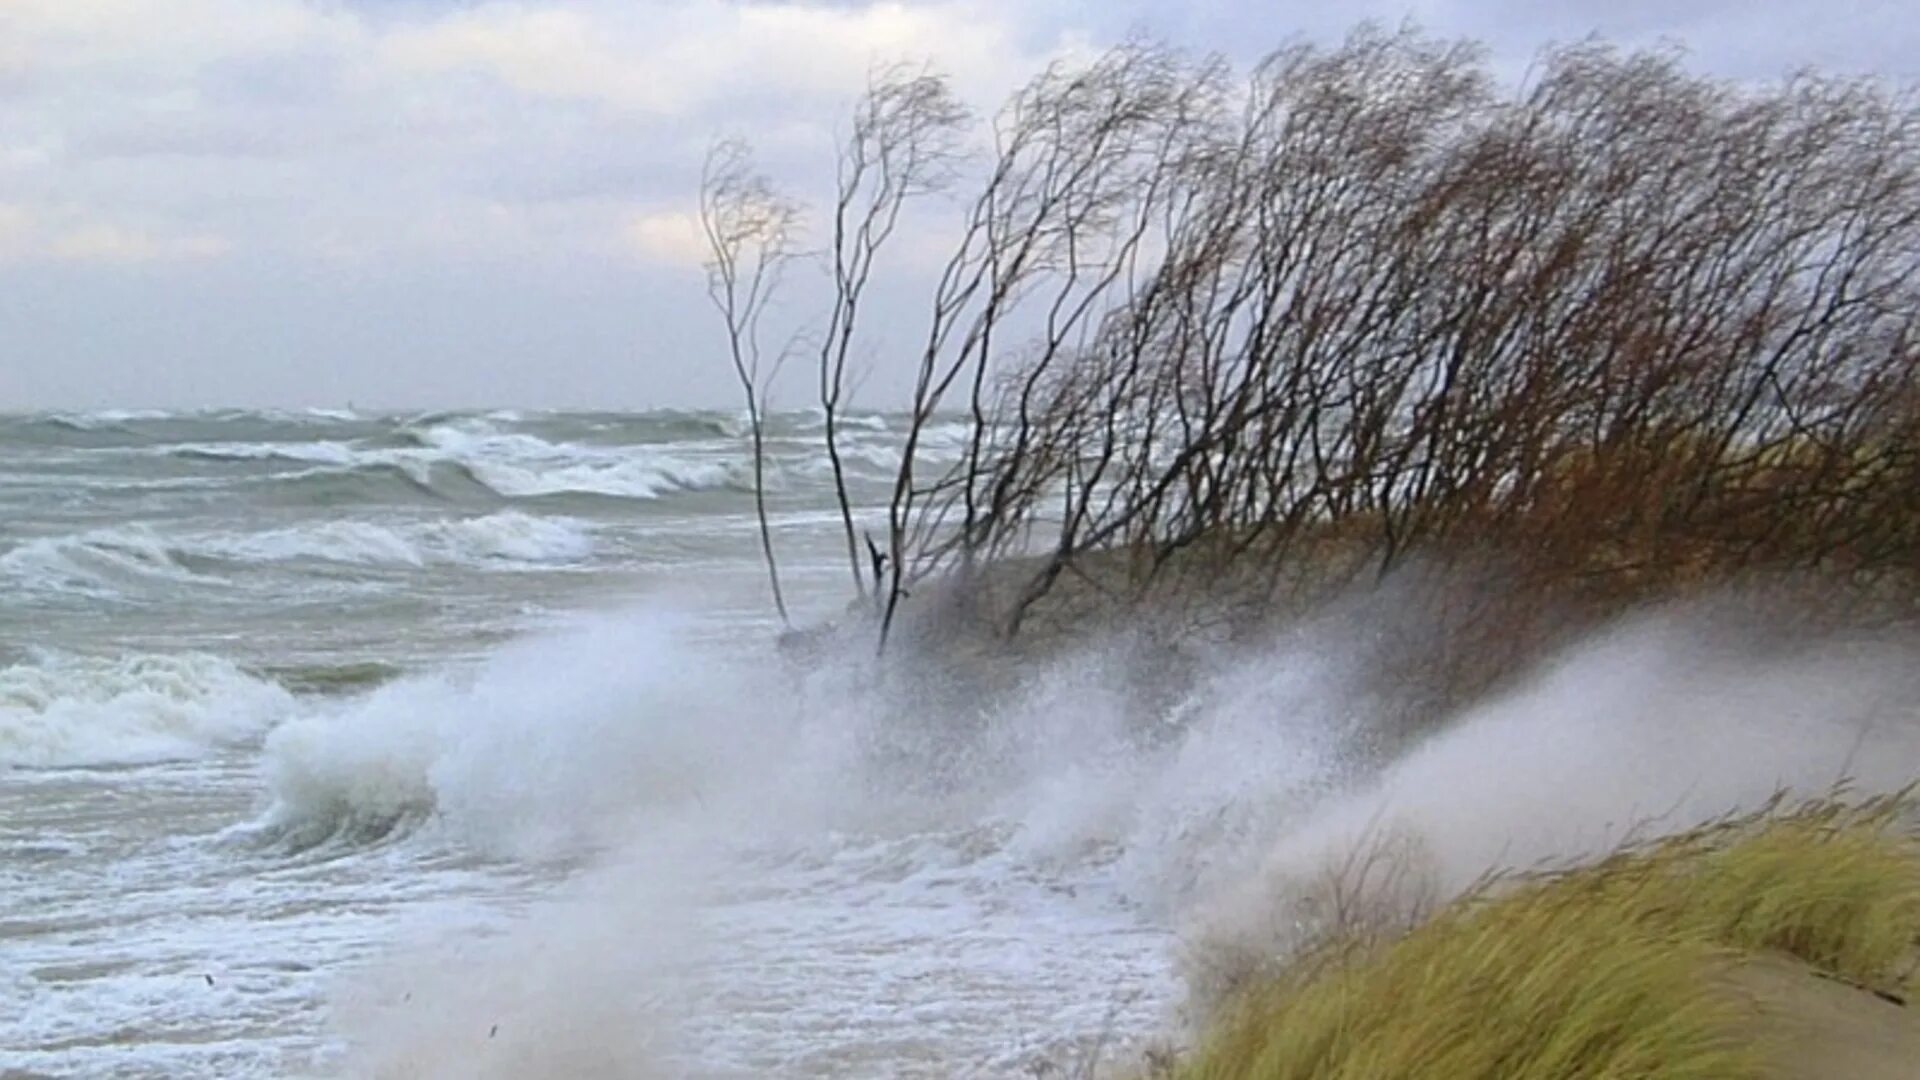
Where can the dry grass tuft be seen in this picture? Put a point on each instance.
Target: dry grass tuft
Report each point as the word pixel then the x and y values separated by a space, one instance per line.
pixel 1599 971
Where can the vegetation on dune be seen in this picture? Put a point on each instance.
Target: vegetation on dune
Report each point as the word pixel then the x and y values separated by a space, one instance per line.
pixel 1608 970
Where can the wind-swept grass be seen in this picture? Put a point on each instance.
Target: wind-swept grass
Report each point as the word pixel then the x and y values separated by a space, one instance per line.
pixel 1609 970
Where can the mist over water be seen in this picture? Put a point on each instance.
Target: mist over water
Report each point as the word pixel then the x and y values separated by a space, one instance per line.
pixel 430 754
pixel 844 884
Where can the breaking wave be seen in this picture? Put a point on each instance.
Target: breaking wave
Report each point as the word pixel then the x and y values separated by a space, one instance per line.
pixel 101 419
pixel 505 539
pixel 509 465
pixel 468 459
pixel 1268 750
pixel 549 746
pixel 1029 834
pixel 99 563
pixel 105 563
pixel 63 711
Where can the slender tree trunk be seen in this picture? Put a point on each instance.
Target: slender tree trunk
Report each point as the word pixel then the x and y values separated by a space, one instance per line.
pixel 760 511
pixel 840 493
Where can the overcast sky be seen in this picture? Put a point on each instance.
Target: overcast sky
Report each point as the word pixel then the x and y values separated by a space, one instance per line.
pixel 410 203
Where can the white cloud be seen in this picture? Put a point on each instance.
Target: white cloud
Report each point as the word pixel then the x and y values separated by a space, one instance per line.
pixel 16 229
pixel 311 129
pixel 72 236
pixel 672 237
pixel 551 53
pixel 142 26
pixel 501 142
pixel 672 58
pixel 109 243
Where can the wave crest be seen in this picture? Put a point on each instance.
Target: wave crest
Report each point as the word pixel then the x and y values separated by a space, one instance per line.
pixel 508 539
pixel 551 746
pixel 95 563
pixel 509 465
pixel 81 711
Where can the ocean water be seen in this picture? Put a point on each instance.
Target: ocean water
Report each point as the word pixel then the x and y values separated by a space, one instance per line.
pixel 457 745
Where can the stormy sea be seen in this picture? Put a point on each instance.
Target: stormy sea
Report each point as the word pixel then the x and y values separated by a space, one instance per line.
pixel 461 745
pixel 293 703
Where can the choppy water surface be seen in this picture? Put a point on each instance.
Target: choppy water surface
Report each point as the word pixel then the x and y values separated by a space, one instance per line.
pixel 455 746
pixel 335 744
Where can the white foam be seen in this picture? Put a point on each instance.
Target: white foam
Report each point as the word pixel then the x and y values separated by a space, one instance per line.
pixel 552 745
pixel 946 437
pixel 620 477
pixel 318 452
pixel 518 465
pixel 815 419
pixel 100 562
pixel 512 464
pixel 112 562
pixel 334 415
pixel 79 711
pixel 507 539
pixel 357 542
pixel 856 458
pixel 510 536
pixel 886 879
pixel 102 418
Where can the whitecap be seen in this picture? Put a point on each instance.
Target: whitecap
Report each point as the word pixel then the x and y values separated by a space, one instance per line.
pixel 508 539
pixel 58 711
pixel 100 562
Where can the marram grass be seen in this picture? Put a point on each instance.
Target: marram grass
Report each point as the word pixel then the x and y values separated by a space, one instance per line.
pixel 1608 970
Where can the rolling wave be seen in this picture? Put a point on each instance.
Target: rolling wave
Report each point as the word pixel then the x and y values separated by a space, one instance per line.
pixel 315 453
pixel 509 465
pixel 99 562
pixel 508 538
pixel 58 712
pixel 113 561
pixel 102 419
pixel 545 748
pixel 468 458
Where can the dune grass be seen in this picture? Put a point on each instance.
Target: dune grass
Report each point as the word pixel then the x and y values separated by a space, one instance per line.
pixel 1607 970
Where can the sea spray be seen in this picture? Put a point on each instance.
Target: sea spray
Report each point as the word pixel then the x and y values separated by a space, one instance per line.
pixel 549 747
pixel 824 834
pixel 384 561
pixel 589 985
pixel 1659 724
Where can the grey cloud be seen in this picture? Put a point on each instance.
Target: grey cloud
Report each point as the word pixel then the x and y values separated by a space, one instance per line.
pixel 184 136
pixel 285 79
pixel 256 334
pixel 437 234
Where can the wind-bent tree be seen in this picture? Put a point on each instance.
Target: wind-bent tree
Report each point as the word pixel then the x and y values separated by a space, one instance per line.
pixel 905 141
pixel 1357 306
pixel 1629 322
pixel 1066 214
pixel 750 231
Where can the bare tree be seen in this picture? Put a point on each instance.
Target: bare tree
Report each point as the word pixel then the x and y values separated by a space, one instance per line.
pixel 750 230
pixel 1631 318
pixel 1356 307
pixel 905 141
pixel 1073 150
